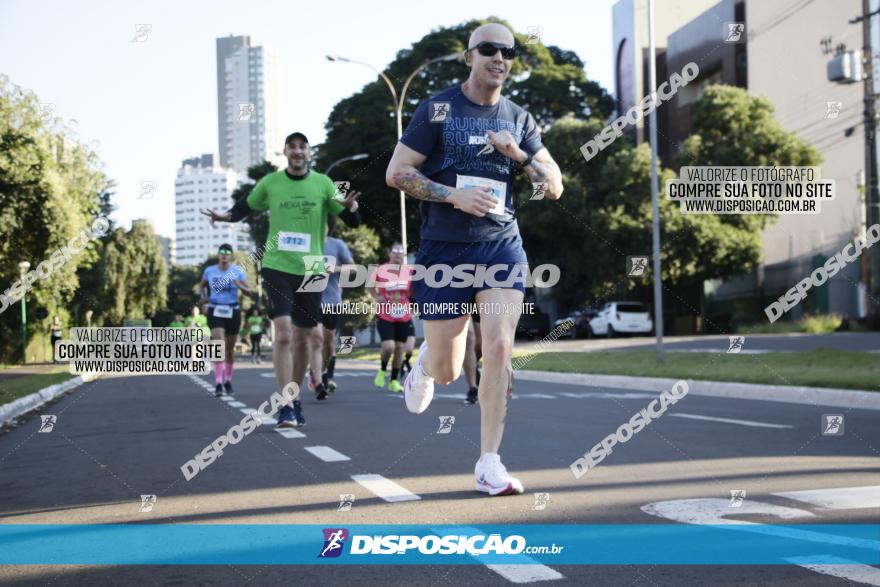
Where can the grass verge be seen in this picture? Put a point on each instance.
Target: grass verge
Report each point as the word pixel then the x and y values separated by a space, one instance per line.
pixel 819 368
pixel 13 388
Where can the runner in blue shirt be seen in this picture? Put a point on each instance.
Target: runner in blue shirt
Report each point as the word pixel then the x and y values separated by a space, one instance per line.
pixel 219 286
pixel 332 296
pixel 459 155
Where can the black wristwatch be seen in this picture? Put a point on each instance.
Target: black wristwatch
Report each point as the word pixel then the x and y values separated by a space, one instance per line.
pixel 526 162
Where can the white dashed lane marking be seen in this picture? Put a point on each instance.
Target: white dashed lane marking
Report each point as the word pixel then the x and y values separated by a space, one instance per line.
pixel 290 433
pixel 524 570
pixel 385 488
pixel 327 454
pixel 749 423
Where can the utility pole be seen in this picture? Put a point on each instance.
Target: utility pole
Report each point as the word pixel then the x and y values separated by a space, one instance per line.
pixel 872 196
pixel 655 187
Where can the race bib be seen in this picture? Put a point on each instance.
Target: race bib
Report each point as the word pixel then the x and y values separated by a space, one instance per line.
pixel 295 242
pixel 256 329
pixel 222 311
pixel 398 310
pixel 499 189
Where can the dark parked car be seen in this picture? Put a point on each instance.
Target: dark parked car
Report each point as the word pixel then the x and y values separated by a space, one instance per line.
pixel 581 320
pixel 533 326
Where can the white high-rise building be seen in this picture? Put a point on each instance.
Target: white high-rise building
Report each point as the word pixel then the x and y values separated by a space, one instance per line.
pixel 249 98
pixel 201 184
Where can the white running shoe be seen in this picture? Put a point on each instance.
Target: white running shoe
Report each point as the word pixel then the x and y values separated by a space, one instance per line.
pixel 418 389
pixel 493 478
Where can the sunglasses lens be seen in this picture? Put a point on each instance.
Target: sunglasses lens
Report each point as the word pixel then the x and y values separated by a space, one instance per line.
pixel 490 49
pixel 487 50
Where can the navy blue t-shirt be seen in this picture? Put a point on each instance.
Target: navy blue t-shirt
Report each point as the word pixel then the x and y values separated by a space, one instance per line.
pixel 450 130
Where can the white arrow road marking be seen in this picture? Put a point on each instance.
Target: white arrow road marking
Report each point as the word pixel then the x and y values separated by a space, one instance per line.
pixel 841 498
pixel 839 567
pixel 327 454
pixel 730 421
pixel 713 510
pixel 385 488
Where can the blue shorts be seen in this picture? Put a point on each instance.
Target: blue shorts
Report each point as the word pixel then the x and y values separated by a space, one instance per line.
pixel 446 302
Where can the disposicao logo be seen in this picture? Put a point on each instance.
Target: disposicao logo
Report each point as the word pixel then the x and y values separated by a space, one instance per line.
pixel 334 540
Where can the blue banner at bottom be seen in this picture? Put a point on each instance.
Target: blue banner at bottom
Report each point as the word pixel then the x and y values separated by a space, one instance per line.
pixel 621 544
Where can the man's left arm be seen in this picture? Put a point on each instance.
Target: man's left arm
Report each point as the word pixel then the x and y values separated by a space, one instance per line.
pixel 540 167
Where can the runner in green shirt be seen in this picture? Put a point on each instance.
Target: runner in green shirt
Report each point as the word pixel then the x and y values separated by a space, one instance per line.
pixel 298 201
pixel 255 331
pixel 177 322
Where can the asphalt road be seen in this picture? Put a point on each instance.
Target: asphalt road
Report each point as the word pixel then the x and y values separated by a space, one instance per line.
pixel 118 438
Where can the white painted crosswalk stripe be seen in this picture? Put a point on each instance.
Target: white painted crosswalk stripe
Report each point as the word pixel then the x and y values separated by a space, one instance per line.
pixel 841 498
pixel 385 488
pixel 290 433
pixel 749 423
pixel 327 454
pixel 236 404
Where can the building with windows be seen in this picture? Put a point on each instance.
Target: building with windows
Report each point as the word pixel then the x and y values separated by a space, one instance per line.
pixel 249 97
pixel 782 56
pixel 202 184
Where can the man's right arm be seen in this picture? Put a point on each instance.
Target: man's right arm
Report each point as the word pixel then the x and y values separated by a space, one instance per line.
pixel 403 174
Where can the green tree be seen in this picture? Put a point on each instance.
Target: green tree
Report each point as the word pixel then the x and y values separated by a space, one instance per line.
pixel 183 281
pixel 136 283
pixel 51 189
pixel 607 206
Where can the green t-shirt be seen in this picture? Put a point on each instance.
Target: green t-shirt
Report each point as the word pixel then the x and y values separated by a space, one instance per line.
pixel 201 321
pixel 176 324
pixel 298 211
pixel 255 324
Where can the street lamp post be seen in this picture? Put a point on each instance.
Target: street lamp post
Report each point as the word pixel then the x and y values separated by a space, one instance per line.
pixel 398 110
pixel 655 188
pixel 22 270
pixel 357 157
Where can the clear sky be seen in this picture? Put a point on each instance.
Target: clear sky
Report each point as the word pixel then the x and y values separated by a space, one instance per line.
pixel 145 106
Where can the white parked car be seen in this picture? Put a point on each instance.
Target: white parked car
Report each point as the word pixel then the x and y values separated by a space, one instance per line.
pixel 622 318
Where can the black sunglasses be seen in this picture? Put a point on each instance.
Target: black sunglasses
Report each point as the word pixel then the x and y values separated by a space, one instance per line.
pixel 489 49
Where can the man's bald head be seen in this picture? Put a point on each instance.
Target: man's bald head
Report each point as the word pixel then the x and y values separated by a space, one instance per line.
pixel 492 32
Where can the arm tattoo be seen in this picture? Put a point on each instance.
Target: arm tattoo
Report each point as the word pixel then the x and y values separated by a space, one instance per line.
pixel 420 187
pixel 538 172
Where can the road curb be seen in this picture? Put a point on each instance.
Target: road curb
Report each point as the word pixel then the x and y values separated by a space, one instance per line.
pixel 836 398
pixel 822 396
pixel 23 405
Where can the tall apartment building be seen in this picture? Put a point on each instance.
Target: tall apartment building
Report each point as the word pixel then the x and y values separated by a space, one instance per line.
pixel 249 96
pixel 202 184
